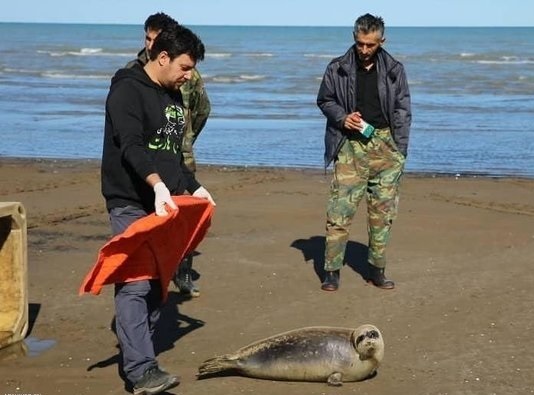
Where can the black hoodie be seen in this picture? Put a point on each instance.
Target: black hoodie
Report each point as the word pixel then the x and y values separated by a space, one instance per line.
pixel 143 135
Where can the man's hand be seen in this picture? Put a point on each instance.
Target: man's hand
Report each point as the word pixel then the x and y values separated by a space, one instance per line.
pixel 204 194
pixel 163 196
pixel 353 121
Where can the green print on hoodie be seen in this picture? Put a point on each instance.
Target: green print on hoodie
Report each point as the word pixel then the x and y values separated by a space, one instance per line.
pixel 169 137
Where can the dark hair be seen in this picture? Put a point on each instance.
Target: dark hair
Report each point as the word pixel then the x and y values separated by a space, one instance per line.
pixel 368 24
pixel 159 21
pixel 177 40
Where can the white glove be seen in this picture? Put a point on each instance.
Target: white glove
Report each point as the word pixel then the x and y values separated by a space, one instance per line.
pixel 204 194
pixel 162 196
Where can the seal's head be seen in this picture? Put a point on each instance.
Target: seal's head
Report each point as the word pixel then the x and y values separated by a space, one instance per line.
pixel 368 342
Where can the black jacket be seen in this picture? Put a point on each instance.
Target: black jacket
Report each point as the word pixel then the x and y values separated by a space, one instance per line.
pixel 337 98
pixel 143 134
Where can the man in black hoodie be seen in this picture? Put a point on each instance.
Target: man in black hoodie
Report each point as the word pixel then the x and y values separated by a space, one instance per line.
pixel 142 165
pixel 197 108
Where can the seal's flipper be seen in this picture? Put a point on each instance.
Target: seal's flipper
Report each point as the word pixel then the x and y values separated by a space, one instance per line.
pixel 216 365
pixel 335 379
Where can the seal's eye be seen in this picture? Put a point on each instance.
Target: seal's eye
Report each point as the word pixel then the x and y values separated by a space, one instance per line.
pixel 359 339
pixel 373 334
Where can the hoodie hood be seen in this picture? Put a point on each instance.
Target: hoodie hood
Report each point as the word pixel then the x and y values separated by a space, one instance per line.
pixel 136 73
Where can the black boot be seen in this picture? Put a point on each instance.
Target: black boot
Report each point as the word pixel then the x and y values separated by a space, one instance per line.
pixel 183 279
pixel 378 278
pixel 331 281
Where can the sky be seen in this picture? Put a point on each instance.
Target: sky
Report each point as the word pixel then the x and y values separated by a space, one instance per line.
pixel 275 12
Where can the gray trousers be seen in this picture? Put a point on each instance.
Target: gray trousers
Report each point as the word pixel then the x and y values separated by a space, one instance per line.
pixel 137 308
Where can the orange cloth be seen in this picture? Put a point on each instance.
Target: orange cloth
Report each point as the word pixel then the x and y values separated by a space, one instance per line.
pixel 151 247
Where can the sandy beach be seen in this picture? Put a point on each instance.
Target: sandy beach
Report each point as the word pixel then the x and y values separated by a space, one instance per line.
pixel 458 322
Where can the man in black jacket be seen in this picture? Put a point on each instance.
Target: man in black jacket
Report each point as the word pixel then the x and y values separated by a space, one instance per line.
pixel 365 98
pixel 142 165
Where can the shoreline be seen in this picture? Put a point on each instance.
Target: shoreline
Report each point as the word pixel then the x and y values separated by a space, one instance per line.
pixel 71 162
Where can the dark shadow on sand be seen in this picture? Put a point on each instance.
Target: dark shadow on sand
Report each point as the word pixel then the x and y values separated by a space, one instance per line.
pixel 235 372
pixel 171 327
pixel 313 250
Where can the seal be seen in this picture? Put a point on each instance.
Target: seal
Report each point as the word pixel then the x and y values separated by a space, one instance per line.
pixel 320 354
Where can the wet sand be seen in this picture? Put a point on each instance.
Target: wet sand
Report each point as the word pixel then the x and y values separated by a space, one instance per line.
pixel 459 321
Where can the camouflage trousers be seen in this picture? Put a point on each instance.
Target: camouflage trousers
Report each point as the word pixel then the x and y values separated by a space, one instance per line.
pixel 372 168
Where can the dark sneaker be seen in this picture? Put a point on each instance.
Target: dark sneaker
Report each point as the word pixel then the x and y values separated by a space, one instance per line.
pixel 185 284
pixel 154 381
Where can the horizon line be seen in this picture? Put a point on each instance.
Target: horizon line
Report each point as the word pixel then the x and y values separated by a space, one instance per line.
pixel 260 25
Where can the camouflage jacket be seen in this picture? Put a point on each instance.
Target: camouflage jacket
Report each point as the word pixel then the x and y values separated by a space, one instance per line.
pixel 197 106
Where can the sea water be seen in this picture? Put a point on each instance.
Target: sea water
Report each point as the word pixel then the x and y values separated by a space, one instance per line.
pixel 472 93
